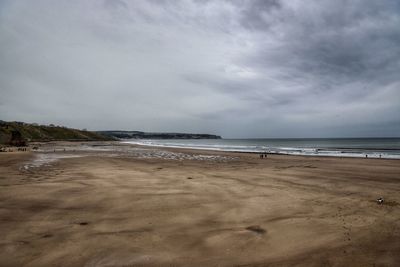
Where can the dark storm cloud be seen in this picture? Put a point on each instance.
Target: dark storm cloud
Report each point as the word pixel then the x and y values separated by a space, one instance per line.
pixel 333 42
pixel 237 68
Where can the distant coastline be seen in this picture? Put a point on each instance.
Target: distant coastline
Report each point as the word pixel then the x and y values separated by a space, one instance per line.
pixel 152 135
pixel 16 133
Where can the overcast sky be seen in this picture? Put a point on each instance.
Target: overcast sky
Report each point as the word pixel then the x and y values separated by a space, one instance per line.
pixel 267 68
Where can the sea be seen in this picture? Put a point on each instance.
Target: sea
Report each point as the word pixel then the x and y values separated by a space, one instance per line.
pixel 388 148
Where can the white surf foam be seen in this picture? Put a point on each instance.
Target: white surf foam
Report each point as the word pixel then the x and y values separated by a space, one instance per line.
pixel 303 151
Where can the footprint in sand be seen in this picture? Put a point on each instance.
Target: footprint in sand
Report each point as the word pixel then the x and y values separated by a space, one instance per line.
pixel 256 229
pixel 47 235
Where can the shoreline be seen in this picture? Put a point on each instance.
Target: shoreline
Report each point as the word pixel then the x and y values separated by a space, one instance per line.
pixel 180 150
pixel 338 152
pixel 297 151
pixel 253 152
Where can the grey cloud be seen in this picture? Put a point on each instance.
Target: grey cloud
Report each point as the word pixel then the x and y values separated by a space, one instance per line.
pixel 256 15
pixel 346 47
pixel 237 68
pixel 115 4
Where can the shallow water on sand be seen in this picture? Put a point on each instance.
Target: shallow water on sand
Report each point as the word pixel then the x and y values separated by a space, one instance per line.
pixel 47 156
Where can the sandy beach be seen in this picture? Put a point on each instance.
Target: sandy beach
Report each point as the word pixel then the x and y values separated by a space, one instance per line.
pixel 108 204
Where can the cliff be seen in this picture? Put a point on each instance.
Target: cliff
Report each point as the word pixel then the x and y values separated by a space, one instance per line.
pixel 17 133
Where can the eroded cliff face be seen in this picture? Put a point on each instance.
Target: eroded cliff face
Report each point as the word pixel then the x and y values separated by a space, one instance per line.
pixel 16 139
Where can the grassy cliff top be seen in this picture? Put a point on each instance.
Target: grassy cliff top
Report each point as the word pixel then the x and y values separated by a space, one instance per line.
pixel 34 132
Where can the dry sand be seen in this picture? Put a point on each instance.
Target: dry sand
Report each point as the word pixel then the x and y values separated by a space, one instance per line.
pixel 120 205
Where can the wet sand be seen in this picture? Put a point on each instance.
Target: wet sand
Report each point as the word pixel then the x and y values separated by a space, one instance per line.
pixel 105 204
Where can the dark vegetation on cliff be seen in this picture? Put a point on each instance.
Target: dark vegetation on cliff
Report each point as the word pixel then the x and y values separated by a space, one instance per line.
pixel 18 133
